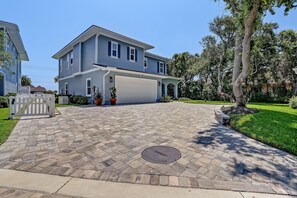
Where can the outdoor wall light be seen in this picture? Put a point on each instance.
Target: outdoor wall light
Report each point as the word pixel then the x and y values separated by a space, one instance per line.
pixel 159 83
pixel 110 79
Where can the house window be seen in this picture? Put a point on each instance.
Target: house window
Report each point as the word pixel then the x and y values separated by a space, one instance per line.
pixel 161 67
pixel 61 91
pixel 71 57
pixel 66 89
pixel 68 60
pixel 114 49
pixel 145 62
pixel 88 87
pixel 60 64
pixel 132 54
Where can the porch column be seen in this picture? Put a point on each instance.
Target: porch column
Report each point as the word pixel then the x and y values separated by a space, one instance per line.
pixel 175 91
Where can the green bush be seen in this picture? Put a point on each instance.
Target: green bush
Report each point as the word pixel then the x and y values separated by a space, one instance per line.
pixel 293 102
pixel 10 94
pixel 166 99
pixel 4 101
pixel 82 100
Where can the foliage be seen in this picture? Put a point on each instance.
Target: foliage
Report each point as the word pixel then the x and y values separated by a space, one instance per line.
pixel 113 92
pixel 56 79
pixel 98 95
pixel 275 125
pixel 26 81
pixel 166 99
pixel 6 125
pixel 10 94
pixel 293 102
pixel 82 100
pixel 4 101
pixel 5 56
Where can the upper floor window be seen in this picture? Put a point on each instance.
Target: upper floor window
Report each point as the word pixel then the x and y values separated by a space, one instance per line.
pixel 60 64
pixel 71 57
pixel 114 49
pixel 161 67
pixel 145 62
pixel 132 54
pixel 88 87
pixel 68 60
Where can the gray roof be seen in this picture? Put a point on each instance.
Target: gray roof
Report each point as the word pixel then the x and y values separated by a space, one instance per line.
pixel 14 34
pixel 93 30
pixel 148 54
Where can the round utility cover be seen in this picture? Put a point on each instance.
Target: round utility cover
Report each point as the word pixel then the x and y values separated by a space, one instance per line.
pixel 161 154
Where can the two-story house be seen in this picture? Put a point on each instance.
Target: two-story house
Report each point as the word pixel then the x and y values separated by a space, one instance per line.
pixel 99 59
pixel 10 75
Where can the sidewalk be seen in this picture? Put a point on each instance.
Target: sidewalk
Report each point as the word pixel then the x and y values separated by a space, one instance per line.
pixel 24 184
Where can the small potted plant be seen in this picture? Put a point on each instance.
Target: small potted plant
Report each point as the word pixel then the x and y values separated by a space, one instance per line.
pixel 113 95
pixel 98 98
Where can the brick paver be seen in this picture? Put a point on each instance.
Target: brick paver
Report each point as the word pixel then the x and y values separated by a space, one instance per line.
pixel 105 143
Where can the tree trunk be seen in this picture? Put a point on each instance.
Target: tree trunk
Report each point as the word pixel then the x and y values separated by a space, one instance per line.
pixel 237 88
pixel 245 58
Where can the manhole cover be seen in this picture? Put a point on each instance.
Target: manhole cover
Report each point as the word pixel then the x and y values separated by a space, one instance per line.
pixel 161 154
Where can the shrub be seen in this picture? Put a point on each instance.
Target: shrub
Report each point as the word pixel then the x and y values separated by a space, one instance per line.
pixel 4 101
pixel 82 100
pixel 10 94
pixel 166 99
pixel 293 102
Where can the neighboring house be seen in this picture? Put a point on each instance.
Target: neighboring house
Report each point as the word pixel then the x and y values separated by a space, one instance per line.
pixel 10 81
pixel 99 59
pixel 38 89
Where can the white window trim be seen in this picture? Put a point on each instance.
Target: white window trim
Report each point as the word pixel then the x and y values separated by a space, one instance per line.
pixel 111 48
pixel 130 49
pixel 160 62
pixel 88 79
pixel 71 57
pixel 68 60
pixel 145 61
pixel 66 89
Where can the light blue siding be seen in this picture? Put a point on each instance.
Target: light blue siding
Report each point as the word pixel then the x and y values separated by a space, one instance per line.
pixel 121 62
pixel 88 54
pixel 153 66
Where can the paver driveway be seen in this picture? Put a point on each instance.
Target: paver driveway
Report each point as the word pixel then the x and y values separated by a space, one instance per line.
pixel 106 143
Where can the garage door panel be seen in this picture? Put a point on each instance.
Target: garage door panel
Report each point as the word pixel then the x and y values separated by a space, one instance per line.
pixel 135 90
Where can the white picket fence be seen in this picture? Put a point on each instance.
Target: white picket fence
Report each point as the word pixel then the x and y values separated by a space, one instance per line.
pixel 32 105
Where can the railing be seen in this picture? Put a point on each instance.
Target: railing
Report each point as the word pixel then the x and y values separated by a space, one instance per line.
pixel 31 105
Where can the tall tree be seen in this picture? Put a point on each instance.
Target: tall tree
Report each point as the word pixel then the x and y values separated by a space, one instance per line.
pixel 26 81
pixel 248 13
pixel 5 56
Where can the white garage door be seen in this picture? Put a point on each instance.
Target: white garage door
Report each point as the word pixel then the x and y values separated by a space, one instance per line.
pixel 135 90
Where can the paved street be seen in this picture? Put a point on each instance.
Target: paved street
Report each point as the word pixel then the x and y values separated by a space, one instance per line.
pixel 105 143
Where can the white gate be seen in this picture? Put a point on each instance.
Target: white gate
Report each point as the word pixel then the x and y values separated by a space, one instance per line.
pixel 32 104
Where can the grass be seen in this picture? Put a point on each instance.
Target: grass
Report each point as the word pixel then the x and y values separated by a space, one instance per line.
pixel 207 102
pixel 275 124
pixel 65 105
pixel 6 125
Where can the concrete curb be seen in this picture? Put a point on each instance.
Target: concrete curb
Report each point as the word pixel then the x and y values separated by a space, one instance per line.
pixel 68 186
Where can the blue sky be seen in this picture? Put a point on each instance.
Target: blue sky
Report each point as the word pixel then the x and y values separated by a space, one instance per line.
pixel 172 26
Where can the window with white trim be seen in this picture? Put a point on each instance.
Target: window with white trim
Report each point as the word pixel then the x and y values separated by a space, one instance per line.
pixel 88 87
pixel 71 57
pixel 161 67
pixel 60 64
pixel 68 60
pixel 145 62
pixel 114 49
pixel 66 89
pixel 132 54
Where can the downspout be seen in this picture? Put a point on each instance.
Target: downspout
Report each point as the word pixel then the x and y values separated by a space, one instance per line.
pixel 104 85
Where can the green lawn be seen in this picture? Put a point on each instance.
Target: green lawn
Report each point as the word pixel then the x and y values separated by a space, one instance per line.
pixel 6 125
pixel 275 124
pixel 65 105
pixel 207 102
